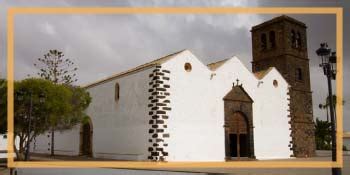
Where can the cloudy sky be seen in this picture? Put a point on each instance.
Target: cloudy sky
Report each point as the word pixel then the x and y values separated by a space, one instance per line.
pixel 102 45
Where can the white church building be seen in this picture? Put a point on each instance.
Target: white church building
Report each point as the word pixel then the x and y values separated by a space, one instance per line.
pixel 176 108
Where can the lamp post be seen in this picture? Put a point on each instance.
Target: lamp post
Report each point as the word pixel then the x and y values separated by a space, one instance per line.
pixel 20 97
pixel 328 64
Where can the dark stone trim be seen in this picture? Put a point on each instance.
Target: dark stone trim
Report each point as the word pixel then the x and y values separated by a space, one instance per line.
pixel 159 106
pixel 166 108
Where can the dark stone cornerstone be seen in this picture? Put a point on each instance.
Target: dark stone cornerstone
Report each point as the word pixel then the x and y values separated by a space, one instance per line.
pixel 159 107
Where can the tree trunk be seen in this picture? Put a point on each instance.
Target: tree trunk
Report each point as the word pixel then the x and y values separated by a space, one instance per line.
pixel 16 150
pixel 20 151
pixel 52 141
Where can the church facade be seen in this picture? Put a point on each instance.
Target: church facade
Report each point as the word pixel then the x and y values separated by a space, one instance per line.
pixel 178 109
pixel 175 108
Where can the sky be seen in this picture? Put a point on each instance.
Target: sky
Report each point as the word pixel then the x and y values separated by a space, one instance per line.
pixel 102 45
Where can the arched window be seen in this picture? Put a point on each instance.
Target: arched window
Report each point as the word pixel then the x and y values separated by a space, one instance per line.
pixel 263 41
pixel 272 39
pixel 298 41
pixel 116 93
pixel 293 38
pixel 299 74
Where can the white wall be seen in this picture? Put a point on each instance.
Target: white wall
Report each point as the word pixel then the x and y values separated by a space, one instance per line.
pixel 3 142
pixel 271 121
pixel 3 145
pixel 197 117
pixel 196 130
pixel 66 142
pixel 121 129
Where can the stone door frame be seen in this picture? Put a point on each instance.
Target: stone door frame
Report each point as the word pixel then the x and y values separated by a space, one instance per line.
pixel 238 101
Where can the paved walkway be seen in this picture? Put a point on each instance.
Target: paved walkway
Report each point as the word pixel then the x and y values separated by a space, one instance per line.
pixel 211 171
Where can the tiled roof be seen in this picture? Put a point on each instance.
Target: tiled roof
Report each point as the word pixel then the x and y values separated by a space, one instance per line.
pixel 215 65
pixel 262 73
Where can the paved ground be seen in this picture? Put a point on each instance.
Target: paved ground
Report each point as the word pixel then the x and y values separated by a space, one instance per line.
pixel 236 171
pixel 285 171
pixel 4 171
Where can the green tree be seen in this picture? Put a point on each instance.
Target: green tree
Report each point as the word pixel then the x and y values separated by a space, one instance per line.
pixel 323 134
pixel 56 68
pixel 60 70
pixel 79 102
pixel 42 115
pixel 63 108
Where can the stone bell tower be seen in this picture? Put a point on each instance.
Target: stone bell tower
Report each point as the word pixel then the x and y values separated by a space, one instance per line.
pixel 281 43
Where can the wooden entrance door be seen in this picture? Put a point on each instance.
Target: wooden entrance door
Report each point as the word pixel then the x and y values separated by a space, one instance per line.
pixel 86 139
pixel 238 136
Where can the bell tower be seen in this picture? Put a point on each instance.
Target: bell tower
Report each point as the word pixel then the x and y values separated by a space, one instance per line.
pixel 281 43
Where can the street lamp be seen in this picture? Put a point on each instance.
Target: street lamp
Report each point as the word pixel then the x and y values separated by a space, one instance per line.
pixel 20 97
pixel 328 64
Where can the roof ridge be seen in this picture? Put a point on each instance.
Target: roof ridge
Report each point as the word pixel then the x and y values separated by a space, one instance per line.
pixel 218 61
pixel 214 65
pixel 134 69
pixel 262 73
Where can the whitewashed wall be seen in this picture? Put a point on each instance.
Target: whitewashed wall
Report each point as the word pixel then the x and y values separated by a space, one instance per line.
pixel 3 142
pixel 196 130
pixel 3 146
pixel 197 117
pixel 66 142
pixel 121 129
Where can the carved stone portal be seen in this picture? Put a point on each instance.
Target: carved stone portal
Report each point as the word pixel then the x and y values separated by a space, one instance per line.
pixel 239 140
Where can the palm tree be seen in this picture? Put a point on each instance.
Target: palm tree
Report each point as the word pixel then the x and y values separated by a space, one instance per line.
pixel 323 134
pixel 323 128
pixel 326 105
